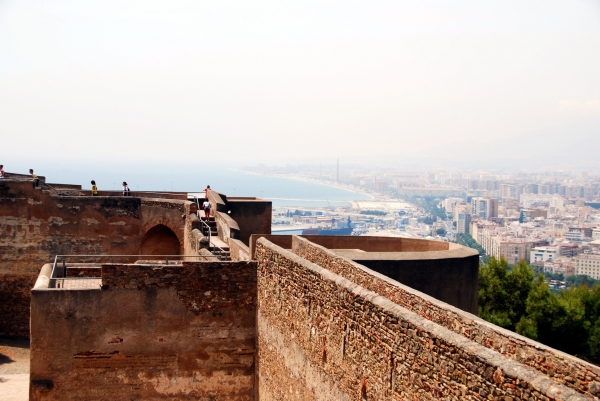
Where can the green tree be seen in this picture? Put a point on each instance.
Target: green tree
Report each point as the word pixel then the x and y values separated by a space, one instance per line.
pixel 594 342
pixel 581 280
pixel 429 204
pixel 466 240
pixel 568 320
pixel 539 307
pixel 592 315
pixel 374 212
pixel 555 276
pixel 570 323
pixel 519 282
pixel 503 293
pixel 557 319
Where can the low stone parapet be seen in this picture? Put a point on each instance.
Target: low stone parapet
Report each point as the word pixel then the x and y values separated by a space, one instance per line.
pixel 323 337
pixel 562 368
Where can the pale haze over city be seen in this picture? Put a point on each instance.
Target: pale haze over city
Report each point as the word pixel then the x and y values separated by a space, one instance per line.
pixel 101 83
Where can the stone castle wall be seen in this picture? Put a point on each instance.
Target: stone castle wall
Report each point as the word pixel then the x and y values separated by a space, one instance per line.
pixel 15 293
pixel 200 286
pixel 323 337
pixel 153 332
pixel 35 226
pixel 564 369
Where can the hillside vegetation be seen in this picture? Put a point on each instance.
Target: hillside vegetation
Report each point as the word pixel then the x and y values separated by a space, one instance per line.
pixel 516 299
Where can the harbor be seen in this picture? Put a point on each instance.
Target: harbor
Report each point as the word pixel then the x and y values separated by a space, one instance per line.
pixel 378 217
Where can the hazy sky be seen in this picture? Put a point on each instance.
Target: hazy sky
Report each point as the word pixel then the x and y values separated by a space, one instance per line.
pixel 177 81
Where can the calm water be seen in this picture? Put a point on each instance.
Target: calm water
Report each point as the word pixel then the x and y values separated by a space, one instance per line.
pixel 282 191
pixel 287 232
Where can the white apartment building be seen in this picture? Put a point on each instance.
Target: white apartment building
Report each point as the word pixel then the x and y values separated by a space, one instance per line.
pixel 450 203
pixel 574 234
pixel 589 265
pixel 544 189
pixel 501 244
pixel 561 265
pixel 510 190
pixel 573 191
pixel 461 209
pixel 535 200
pixel 510 203
pixel 478 227
pixel 543 253
pixel 512 250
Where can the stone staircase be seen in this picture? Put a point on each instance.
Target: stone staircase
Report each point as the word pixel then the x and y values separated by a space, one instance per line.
pixel 212 227
pixel 217 246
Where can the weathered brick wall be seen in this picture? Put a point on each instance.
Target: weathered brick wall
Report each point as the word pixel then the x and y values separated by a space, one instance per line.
pixel 15 293
pixel 174 214
pixel 562 368
pixel 183 332
pixel 201 286
pixel 35 226
pixel 322 337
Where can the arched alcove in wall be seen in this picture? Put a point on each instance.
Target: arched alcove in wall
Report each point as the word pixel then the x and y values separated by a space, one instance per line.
pixel 160 240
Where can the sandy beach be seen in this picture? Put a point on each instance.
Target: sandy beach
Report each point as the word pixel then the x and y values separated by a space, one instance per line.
pixel 302 178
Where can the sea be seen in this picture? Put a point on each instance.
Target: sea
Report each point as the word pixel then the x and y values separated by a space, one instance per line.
pixel 281 191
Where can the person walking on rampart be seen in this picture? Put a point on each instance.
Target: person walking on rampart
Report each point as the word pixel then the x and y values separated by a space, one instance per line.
pixel 206 191
pixel 1 171
pixel 206 206
pixel 94 188
pixel 34 178
pixel 126 191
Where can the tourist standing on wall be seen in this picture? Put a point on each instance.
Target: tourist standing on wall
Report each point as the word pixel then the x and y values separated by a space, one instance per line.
pixel 206 206
pixel 206 191
pixel 1 172
pixel 94 188
pixel 126 190
pixel 34 178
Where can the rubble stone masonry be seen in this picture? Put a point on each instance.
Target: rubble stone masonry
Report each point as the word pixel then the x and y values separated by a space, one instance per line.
pixel 323 337
pixel 564 369
pixel 200 286
pixel 36 225
pixel 14 301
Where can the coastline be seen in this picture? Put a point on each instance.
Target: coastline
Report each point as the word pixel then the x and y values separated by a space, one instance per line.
pixel 314 181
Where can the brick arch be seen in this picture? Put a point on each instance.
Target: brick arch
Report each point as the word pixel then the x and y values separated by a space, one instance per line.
pixel 157 231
